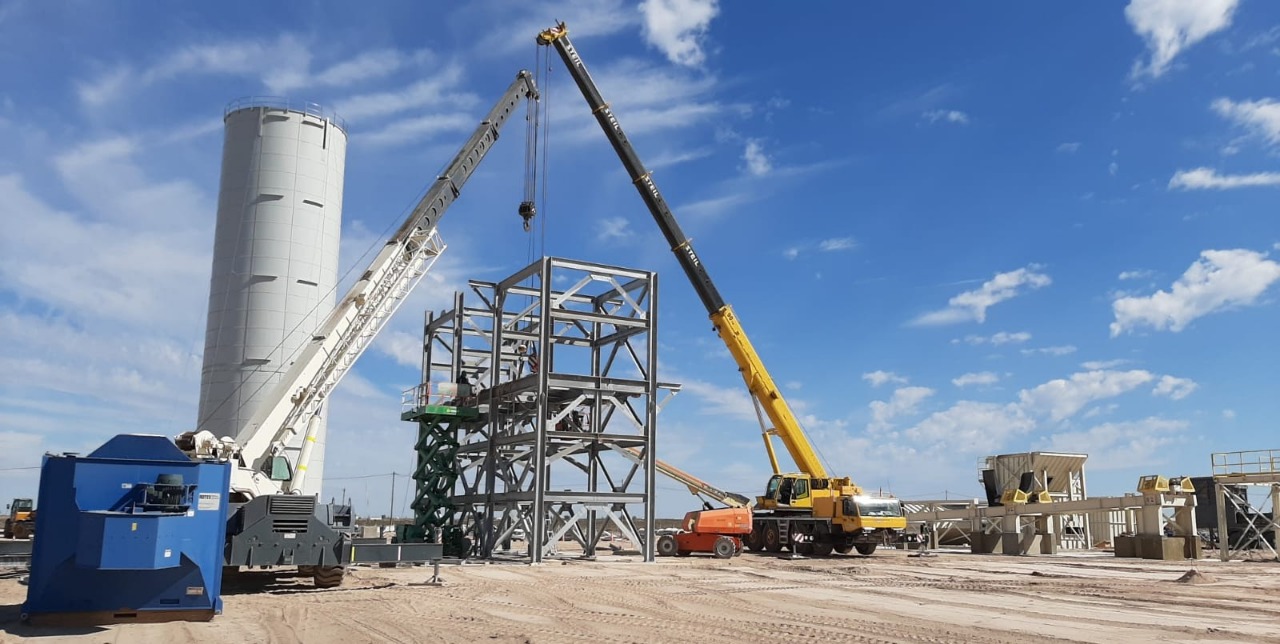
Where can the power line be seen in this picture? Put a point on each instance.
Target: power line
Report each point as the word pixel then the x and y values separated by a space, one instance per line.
pixel 366 476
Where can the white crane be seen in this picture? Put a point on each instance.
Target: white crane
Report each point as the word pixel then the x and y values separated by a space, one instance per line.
pixel 296 402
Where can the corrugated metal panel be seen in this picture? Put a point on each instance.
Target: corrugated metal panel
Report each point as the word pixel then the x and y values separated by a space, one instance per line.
pixel 275 258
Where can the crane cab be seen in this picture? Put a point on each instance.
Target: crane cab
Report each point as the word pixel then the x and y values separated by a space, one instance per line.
pixel 788 492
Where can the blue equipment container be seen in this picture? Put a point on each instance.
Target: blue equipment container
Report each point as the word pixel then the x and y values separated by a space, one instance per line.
pixel 132 532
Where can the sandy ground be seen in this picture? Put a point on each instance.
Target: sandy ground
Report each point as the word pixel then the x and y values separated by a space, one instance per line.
pixel 889 597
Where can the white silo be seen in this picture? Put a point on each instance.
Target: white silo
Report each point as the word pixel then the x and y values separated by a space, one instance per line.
pixel 275 258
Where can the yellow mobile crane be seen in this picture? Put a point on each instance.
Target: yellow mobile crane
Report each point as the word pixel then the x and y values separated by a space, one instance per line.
pixel 808 511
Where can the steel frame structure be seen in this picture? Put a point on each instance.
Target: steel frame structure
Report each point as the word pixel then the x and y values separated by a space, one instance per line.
pixel 1253 469
pixel 561 357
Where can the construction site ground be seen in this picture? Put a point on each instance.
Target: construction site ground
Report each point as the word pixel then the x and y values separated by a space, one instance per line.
pixel 889 597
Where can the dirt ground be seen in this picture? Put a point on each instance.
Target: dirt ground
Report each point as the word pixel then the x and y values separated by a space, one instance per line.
pixel 889 597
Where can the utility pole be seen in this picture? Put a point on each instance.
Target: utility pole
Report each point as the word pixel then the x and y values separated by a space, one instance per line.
pixel 391 512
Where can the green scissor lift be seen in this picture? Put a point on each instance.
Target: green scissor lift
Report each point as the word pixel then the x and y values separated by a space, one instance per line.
pixel 435 474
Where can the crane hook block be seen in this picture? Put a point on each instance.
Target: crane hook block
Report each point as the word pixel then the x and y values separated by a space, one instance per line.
pixel 527 212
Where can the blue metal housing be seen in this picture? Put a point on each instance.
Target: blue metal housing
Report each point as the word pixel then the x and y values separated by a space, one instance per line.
pixel 132 532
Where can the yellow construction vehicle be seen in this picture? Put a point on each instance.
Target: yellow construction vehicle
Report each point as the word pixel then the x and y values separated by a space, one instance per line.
pixel 21 523
pixel 808 511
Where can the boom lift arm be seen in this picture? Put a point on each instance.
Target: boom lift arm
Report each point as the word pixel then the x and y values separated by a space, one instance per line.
pixel 759 383
pixel 298 399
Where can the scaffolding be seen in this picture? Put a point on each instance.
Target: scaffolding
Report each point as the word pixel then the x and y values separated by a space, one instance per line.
pixel 537 412
pixel 1243 528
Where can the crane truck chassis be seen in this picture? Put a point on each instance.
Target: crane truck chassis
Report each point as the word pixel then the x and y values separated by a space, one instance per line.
pixel 808 511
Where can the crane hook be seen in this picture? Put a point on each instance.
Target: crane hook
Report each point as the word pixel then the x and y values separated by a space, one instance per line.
pixel 527 212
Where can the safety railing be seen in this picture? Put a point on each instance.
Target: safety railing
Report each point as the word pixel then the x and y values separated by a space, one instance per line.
pixel 284 103
pixel 441 394
pixel 1261 461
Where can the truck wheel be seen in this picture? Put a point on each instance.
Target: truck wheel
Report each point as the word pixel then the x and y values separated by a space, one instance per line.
pixel 822 549
pixel 844 549
pixel 772 541
pixel 724 547
pixel 755 540
pixel 328 576
pixel 21 531
pixel 666 546
pixel 866 548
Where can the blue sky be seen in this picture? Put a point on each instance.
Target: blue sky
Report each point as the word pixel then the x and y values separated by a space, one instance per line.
pixel 951 230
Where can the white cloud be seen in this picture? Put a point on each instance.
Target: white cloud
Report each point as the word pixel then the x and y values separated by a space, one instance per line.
pixel 721 401
pixel 1120 445
pixel 758 163
pixel 1004 337
pixel 403 347
pixel 613 228
pixel 522 20
pixel 1136 275
pixel 791 252
pixel 281 65
pixel 1094 365
pixel 651 98
pixel 969 427
pixel 999 338
pixel 1062 398
pixel 411 130
pixel 1060 350
pixel 904 402
pixel 441 89
pixel 714 206
pixel 1229 414
pixel 1219 280
pixel 1069 148
pixel 1171 26
pixel 1261 118
pixel 671 158
pixel 366 66
pixel 837 244
pixel 1175 388
pixel 971 306
pixel 877 378
pixel 947 116
pixel 977 378
pixel 1113 168
pixel 678 28
pixel 1209 179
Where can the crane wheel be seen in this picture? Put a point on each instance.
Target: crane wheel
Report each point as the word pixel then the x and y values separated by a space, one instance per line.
pixel 667 546
pixel 724 547
pixel 328 576
pixel 772 541
pixel 844 549
pixel 866 549
pixel 755 540
pixel 822 549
